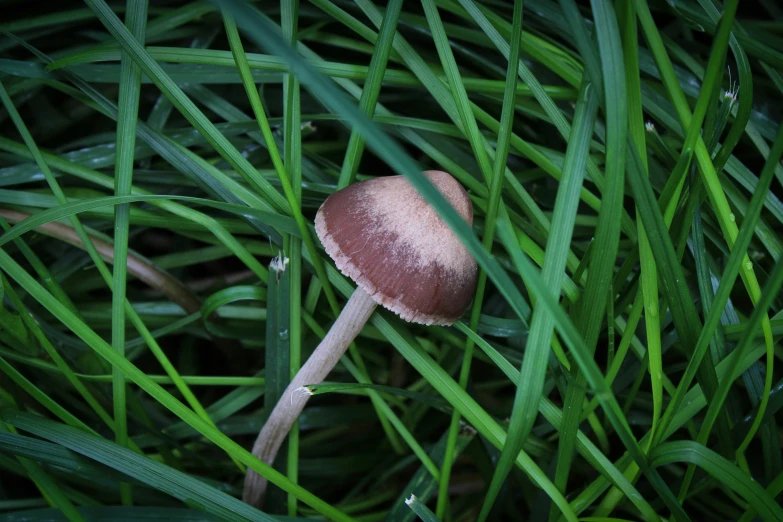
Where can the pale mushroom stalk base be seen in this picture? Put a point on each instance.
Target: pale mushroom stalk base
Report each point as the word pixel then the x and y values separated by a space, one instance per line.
pixel 348 325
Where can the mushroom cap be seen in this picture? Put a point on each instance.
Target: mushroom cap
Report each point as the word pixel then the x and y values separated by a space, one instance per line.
pixel 393 244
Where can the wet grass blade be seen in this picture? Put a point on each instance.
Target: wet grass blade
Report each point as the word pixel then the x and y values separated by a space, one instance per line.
pixel 141 468
pixel 590 309
pixel 531 381
pixel 127 114
pixel 494 204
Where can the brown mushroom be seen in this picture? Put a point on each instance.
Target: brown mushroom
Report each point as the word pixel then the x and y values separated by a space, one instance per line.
pixel 384 236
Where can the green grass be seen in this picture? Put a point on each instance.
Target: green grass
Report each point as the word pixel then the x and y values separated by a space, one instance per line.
pixel 621 358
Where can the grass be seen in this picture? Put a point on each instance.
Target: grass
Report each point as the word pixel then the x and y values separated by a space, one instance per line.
pixel 161 280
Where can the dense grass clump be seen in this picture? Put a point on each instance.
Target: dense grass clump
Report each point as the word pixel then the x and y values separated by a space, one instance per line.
pixel 161 164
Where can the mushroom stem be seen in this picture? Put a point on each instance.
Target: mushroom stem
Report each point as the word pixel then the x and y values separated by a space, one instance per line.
pixel 348 325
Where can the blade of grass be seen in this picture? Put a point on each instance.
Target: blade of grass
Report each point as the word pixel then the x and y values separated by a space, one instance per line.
pixel 481 16
pixel 103 349
pixel 371 91
pixel 293 194
pixel 184 105
pixel 359 388
pixel 773 489
pixel 203 173
pixel 56 357
pixel 722 470
pixel 709 175
pixel 143 270
pixel 421 509
pixel 649 272
pixel 88 64
pixel 531 381
pixel 148 471
pixel 754 211
pixel 280 168
pixel 590 309
pixel 276 352
pixel 75 207
pixel 584 445
pixel 289 21
pixel 469 126
pixel 495 195
pixel 95 256
pixel 48 488
pixel 195 380
pixel 592 374
pixel 702 341
pixel 439 92
pixel 459 95
pixel 127 114
pixel 47 20
pixel 422 483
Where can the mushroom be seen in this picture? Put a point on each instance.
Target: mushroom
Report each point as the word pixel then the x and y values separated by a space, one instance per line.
pixel 384 236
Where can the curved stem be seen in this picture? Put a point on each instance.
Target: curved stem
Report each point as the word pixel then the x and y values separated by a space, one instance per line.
pixel 157 279
pixel 170 286
pixel 348 325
